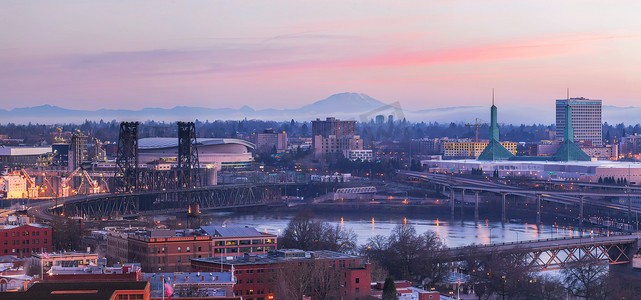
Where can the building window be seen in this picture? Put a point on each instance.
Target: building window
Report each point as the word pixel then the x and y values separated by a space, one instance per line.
pixel 187 249
pixel 179 249
pixel 358 280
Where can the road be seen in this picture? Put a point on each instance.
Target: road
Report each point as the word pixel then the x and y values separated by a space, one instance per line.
pixel 563 197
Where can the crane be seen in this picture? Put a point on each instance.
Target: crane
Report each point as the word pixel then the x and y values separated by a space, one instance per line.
pixel 64 183
pixel 46 184
pixel 33 188
pixel 95 187
pixel 476 125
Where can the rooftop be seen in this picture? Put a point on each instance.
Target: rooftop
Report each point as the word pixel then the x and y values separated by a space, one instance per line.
pixel 64 255
pixel 190 277
pixel 230 231
pixel 24 150
pixel 75 290
pixel 598 164
pixel 277 256
pixel 37 225
pixel 161 142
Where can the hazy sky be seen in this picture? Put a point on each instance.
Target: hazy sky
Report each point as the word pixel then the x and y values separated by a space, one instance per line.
pixel 424 54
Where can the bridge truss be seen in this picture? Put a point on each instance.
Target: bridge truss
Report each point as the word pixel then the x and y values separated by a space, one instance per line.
pixel 552 254
pixel 357 190
pixel 113 205
pixel 596 254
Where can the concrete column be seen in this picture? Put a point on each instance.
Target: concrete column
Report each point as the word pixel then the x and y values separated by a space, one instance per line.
pixel 538 209
pixel 462 204
pixel 503 207
pixel 452 202
pixel 476 206
pixel 629 209
pixel 581 212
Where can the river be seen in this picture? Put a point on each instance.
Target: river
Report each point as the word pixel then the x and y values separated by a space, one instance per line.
pixel 453 233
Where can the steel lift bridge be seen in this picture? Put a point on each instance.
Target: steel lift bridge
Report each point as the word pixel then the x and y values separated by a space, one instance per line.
pixel 138 190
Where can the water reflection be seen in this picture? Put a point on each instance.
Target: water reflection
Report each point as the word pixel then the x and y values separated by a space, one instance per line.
pixel 454 234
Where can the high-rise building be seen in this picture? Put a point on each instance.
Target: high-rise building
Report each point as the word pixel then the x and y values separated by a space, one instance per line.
pixel 333 126
pixel 380 119
pixel 269 140
pixel 586 120
pixel 334 136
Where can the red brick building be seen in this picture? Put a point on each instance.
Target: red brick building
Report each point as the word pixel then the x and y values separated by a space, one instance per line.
pixel 171 250
pixel 257 275
pixel 22 240
pixel 167 250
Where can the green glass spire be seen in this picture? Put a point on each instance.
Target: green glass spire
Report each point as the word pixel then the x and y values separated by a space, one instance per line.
pixel 568 130
pixel 494 150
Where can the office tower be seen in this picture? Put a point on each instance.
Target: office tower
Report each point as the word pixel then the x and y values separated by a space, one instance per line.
pixel 586 120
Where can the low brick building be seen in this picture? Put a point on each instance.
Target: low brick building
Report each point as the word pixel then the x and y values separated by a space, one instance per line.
pixel 22 240
pixel 164 250
pixel 167 250
pixel 258 275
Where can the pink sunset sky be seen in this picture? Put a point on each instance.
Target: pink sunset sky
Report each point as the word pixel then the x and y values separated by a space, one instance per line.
pixel 285 54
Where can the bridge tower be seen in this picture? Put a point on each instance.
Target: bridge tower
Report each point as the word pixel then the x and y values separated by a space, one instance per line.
pixel 188 165
pixel 126 175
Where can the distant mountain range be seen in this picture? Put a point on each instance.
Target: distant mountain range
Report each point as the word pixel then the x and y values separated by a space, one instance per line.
pixel 354 106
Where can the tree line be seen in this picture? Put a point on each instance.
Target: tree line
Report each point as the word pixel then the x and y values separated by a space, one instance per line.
pixel 397 131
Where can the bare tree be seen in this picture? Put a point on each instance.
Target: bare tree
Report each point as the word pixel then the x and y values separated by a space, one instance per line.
pixel 305 232
pixel 506 274
pixel 326 281
pixel 551 288
pixel 407 255
pixel 293 280
pixel 316 278
pixel 586 278
pixel 378 271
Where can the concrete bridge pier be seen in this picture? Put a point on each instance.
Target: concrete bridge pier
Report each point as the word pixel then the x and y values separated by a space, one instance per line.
pixel 538 209
pixel 629 209
pixel 581 212
pixel 476 206
pixel 462 204
pixel 503 194
pixel 452 202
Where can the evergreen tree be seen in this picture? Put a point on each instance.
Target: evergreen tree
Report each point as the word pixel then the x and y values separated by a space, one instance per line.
pixel 389 289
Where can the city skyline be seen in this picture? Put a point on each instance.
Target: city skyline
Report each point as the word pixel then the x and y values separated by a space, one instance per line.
pixel 287 54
